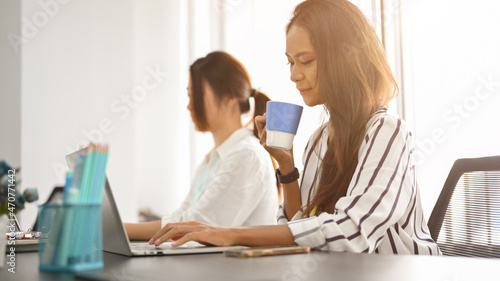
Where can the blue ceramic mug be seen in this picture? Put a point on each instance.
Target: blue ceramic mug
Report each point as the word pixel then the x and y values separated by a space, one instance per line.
pixel 282 122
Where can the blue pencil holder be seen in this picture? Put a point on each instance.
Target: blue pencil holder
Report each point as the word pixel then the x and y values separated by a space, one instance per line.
pixel 71 237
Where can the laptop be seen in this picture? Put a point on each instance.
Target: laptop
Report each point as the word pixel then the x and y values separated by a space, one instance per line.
pixel 115 239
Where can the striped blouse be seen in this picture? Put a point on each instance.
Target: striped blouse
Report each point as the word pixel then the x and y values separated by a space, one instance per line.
pixel 381 212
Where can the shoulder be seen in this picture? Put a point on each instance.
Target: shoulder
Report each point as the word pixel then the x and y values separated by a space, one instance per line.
pixel 247 145
pixel 385 122
pixel 386 132
pixel 249 157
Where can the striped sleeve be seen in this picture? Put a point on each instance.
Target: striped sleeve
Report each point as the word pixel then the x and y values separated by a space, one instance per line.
pixel 378 195
pixel 281 217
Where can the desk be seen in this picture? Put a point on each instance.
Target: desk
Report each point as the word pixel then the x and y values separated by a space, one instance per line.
pixel 314 266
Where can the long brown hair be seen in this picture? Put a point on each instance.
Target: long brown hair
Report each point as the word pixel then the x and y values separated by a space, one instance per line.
pixel 227 77
pixel 354 81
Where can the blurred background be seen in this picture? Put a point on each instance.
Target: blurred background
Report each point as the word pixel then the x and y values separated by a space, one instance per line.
pixel 116 71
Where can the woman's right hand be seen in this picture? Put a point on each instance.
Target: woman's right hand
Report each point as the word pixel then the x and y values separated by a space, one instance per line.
pixel 283 157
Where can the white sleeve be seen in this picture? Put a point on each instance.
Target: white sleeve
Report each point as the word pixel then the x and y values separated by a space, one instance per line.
pixel 232 193
pixel 377 197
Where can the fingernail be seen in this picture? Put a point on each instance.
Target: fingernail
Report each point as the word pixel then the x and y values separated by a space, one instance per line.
pixel 150 241
pixel 157 242
pixel 174 244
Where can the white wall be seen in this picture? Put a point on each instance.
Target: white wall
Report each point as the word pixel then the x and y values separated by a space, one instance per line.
pixel 204 36
pixel 73 69
pixel 112 71
pixel 10 84
pixel 453 84
pixel 163 123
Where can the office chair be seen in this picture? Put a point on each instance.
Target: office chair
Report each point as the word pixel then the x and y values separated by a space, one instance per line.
pixel 466 218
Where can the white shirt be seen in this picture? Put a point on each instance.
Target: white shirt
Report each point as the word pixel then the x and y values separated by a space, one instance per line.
pixel 234 186
pixel 381 212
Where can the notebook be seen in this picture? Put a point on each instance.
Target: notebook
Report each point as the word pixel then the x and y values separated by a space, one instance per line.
pixel 115 239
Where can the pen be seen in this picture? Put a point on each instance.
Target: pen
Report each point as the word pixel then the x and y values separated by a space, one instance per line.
pixel 18 226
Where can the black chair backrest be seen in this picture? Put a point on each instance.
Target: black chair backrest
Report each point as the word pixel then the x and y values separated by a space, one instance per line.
pixel 466 218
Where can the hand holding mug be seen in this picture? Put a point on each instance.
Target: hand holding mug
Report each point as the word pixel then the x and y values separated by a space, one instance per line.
pixel 282 122
pixel 284 157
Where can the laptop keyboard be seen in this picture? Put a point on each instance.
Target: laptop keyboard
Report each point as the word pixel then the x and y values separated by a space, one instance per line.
pixel 144 246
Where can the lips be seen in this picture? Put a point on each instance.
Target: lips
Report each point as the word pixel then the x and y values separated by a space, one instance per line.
pixel 304 91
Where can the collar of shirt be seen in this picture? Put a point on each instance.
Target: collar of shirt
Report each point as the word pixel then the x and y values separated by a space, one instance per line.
pixel 226 147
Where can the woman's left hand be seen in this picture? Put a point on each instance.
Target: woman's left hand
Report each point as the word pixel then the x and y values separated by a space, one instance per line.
pixel 194 231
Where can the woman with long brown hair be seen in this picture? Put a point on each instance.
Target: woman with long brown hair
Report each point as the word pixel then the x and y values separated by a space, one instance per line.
pixel 358 190
pixel 235 183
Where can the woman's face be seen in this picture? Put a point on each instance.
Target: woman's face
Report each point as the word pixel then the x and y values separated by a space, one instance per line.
pixel 211 105
pixel 301 56
pixel 190 105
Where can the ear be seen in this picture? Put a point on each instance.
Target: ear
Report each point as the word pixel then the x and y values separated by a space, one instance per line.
pixel 227 101
pixel 231 101
pixel 228 104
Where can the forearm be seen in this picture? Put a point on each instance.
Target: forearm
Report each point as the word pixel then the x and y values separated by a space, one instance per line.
pixel 292 200
pixel 265 235
pixel 142 231
pixel 291 191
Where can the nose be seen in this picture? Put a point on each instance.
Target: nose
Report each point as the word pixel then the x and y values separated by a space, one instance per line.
pixel 296 74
